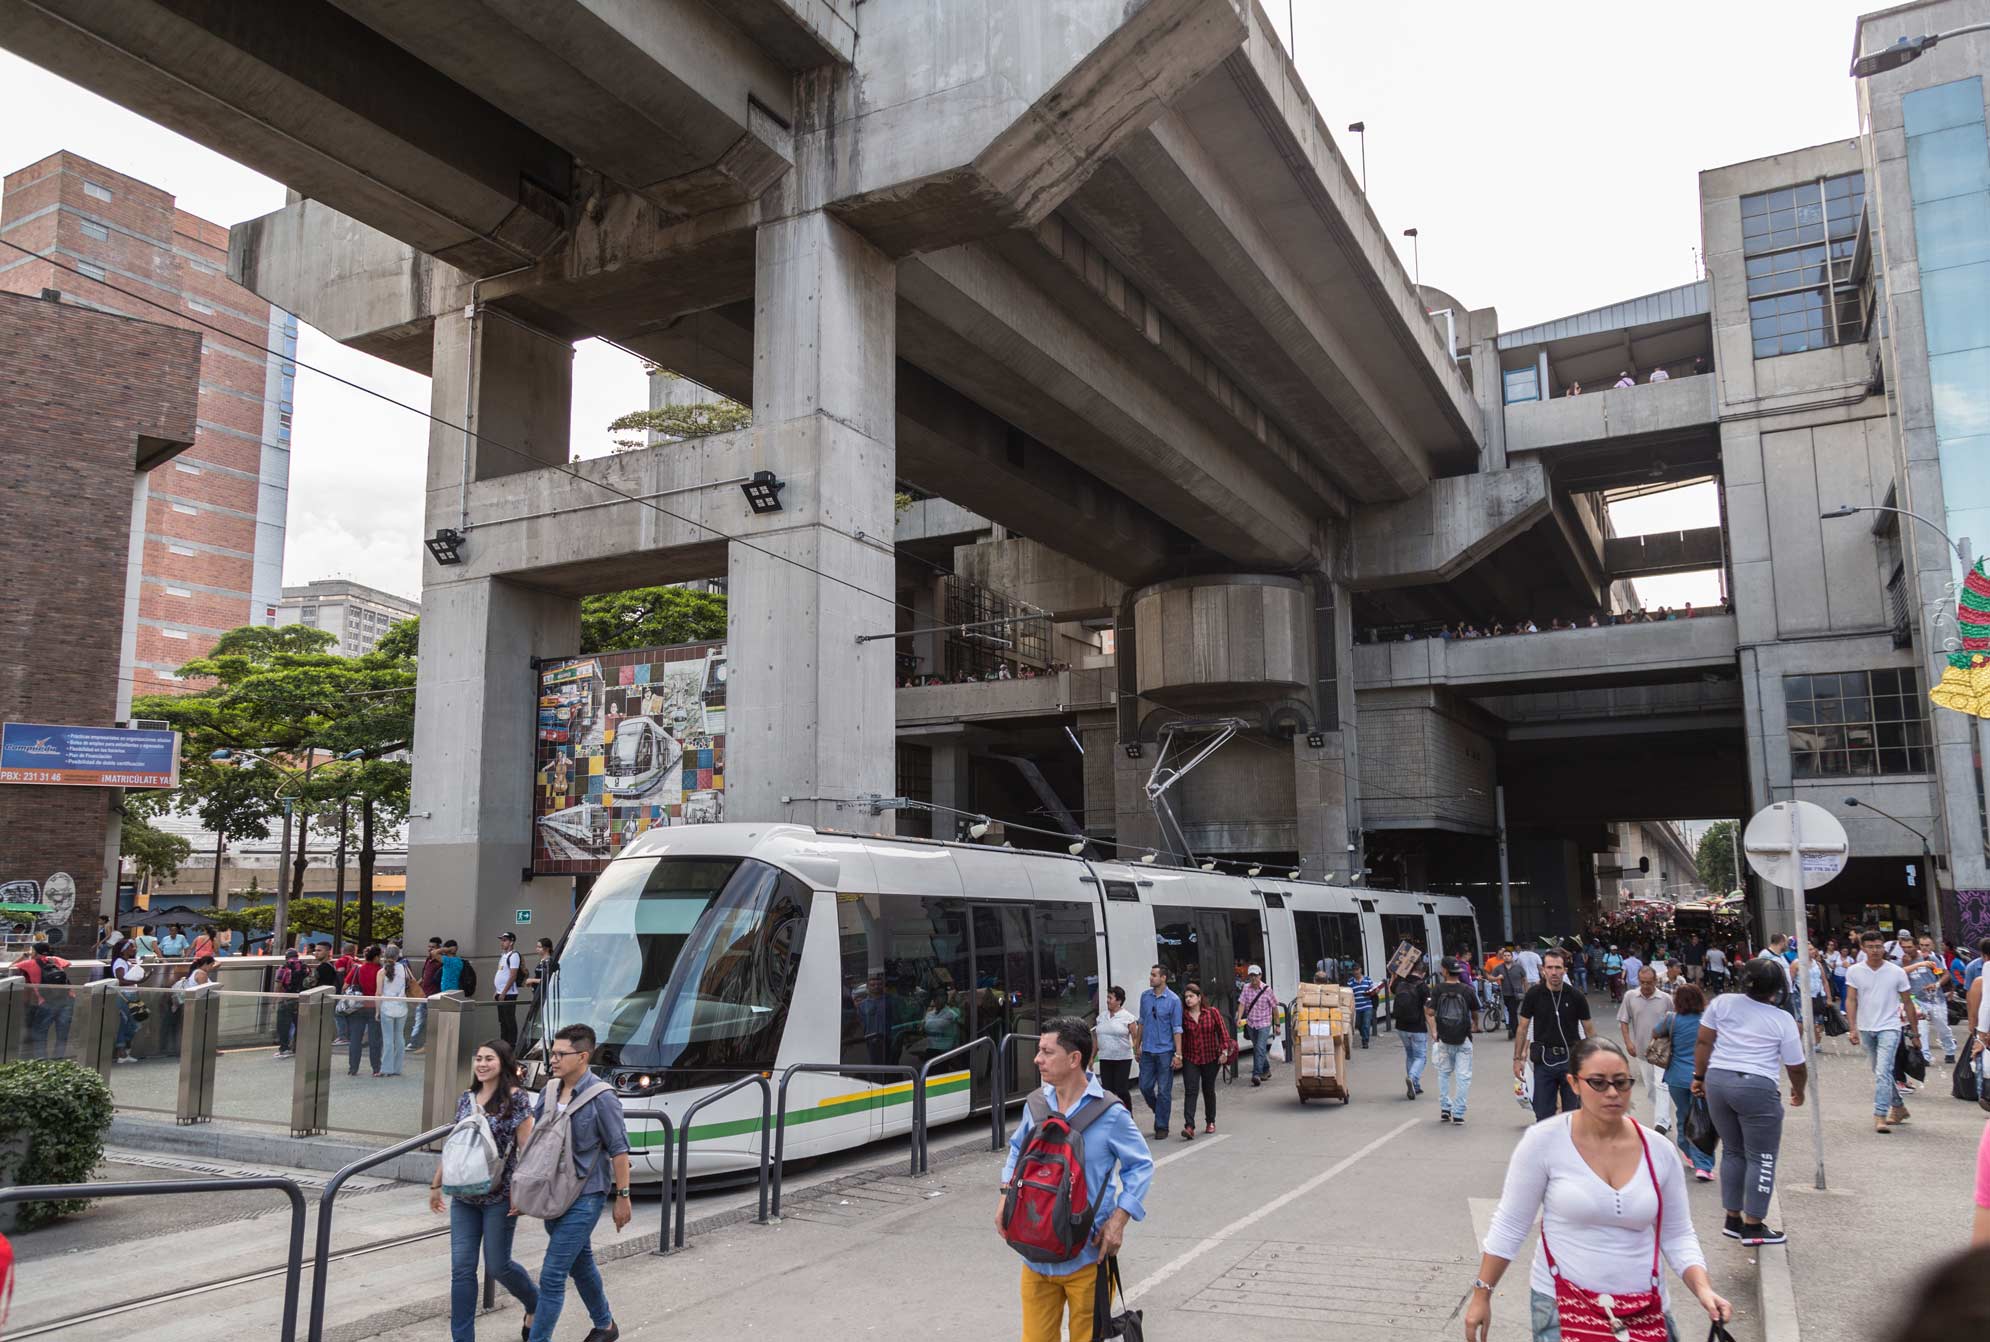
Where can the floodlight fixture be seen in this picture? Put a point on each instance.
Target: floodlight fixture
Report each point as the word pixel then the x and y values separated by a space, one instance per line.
pixel 1147 858
pixel 1133 750
pixel 446 545
pixel 1076 847
pixel 978 828
pixel 1317 740
pixel 763 492
pixel 1893 57
pixel 1209 866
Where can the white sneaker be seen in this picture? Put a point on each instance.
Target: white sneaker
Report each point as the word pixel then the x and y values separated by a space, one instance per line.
pixel 123 1060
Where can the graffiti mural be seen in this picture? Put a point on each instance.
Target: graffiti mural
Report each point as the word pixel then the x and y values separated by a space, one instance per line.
pixel 627 741
pixel 1974 906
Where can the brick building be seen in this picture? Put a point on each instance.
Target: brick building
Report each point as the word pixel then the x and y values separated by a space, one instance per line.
pixel 214 524
pixel 93 409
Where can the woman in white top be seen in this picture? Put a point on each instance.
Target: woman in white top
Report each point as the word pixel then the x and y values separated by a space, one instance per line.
pixel 1744 1038
pixel 127 972
pixel 1113 1037
pixel 393 1010
pixel 1612 1200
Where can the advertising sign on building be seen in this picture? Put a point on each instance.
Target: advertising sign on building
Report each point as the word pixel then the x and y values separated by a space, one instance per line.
pixel 35 752
pixel 628 741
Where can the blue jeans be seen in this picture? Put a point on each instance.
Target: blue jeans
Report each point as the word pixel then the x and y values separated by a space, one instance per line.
pixel 1453 1060
pixel 127 1024
pixel 1364 1021
pixel 1552 1083
pixel 394 1044
pixel 1157 1086
pixel 490 1227
pixel 568 1255
pixel 417 1034
pixel 1682 1105
pixel 1416 1051
pixel 1260 1051
pixel 1880 1046
pixel 362 1033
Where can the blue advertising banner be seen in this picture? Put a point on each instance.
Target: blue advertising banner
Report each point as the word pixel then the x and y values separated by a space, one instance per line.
pixel 35 752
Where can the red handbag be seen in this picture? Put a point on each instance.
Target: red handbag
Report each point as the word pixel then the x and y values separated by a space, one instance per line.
pixel 1591 1316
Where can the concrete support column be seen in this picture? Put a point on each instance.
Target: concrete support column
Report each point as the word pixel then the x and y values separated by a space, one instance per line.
pixel 1326 779
pixel 511 388
pixel 952 786
pixel 809 710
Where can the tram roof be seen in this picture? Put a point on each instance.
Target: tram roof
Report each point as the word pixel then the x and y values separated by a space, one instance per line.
pixel 884 864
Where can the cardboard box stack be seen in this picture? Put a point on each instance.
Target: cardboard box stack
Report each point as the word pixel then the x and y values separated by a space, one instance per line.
pixel 1325 1015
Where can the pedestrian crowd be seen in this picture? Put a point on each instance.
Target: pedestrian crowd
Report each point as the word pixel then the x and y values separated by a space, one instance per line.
pixel 1596 619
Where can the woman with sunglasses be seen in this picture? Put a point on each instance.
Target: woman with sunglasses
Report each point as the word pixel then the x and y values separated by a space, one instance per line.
pixel 1612 1202
pixel 1744 1038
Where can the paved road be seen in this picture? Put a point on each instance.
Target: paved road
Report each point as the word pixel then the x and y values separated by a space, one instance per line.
pixel 1289 1223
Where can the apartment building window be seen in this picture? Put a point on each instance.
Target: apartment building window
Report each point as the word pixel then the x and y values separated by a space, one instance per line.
pixel 1798 245
pixel 186 468
pixel 185 508
pixel 179 591
pixel 179 549
pixel 93 229
pixel 1522 384
pixel 95 192
pixel 173 633
pixel 89 270
pixel 1857 724
pixel 202 308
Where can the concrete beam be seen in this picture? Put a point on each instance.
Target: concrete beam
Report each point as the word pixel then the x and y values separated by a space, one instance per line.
pixel 1664 552
pixel 801 34
pixel 1447 528
pixel 982 328
pixel 1031 571
pixel 960 121
pixel 662 96
pixel 1623 654
pixel 1648 410
pixel 311 97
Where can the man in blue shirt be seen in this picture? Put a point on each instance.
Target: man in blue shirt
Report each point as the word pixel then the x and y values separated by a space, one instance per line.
pixel 600 1145
pixel 1049 1290
pixel 1363 989
pixel 1160 1047
pixel 452 968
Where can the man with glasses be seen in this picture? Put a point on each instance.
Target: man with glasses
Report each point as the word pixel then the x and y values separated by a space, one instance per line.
pixel 600 1146
pixel 1558 1018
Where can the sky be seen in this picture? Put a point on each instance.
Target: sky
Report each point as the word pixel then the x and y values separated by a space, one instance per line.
pixel 1547 154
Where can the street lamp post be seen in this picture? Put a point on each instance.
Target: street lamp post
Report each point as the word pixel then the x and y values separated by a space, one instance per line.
pixel 1927 863
pixel 1907 49
pixel 248 759
pixel 1961 548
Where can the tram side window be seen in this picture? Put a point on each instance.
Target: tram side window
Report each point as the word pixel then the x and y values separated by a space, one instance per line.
pixel 1174 948
pixel 1461 935
pixel 904 964
pixel 1400 927
pixel 1329 941
pixel 1247 941
pixel 1067 951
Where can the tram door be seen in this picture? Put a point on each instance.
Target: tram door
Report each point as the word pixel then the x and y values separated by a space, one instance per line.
pixel 1004 995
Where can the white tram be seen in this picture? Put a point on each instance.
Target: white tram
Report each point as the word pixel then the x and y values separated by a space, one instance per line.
pixel 705 952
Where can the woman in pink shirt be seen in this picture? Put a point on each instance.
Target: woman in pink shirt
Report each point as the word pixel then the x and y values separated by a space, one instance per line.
pixel 1981 1235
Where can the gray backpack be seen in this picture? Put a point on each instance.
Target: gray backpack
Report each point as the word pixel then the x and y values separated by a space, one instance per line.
pixel 545 1182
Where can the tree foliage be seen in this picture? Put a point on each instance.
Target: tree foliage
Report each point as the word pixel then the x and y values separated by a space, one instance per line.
pixel 154 854
pixel 64 1110
pixel 647 617
pixel 1715 856
pixel 674 423
pixel 313 915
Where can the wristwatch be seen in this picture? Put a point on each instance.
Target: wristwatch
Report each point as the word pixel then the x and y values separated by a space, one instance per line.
pixel 621 1192
pixel 1481 1284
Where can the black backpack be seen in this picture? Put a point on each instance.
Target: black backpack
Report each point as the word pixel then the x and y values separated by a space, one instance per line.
pixel 53 974
pixel 1409 1007
pixel 1454 1017
pixel 466 982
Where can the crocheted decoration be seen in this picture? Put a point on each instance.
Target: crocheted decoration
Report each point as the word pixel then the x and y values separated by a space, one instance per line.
pixel 1965 684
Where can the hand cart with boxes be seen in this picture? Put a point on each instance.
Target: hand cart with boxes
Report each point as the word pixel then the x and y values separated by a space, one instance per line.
pixel 1322 1020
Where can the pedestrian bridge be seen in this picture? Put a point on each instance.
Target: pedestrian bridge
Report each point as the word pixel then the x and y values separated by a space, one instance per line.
pixel 1672 650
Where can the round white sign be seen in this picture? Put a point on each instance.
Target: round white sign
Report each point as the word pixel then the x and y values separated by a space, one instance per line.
pixel 1767 842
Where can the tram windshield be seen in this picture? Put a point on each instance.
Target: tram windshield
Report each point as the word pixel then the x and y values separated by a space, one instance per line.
pixel 684 964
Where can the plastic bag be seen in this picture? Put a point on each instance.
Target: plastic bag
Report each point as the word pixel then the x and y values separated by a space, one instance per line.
pixel 1700 1129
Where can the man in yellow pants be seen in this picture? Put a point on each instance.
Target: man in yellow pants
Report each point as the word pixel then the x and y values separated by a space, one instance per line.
pixel 1111 1139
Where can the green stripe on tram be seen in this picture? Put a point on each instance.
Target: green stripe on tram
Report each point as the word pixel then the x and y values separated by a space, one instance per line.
pixel 648 1135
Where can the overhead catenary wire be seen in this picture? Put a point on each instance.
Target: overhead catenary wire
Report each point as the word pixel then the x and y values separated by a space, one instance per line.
pixel 468 433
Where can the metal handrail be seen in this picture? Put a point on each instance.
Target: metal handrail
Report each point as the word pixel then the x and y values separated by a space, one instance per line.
pixel 1002 1084
pixel 292 1271
pixel 836 1069
pixel 321 1258
pixel 684 1143
pixel 919 1092
pixel 669 1188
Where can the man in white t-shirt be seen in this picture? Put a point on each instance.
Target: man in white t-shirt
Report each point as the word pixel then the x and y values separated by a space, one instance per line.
pixel 1877 993
pixel 504 986
pixel 1717 967
pixel 1530 961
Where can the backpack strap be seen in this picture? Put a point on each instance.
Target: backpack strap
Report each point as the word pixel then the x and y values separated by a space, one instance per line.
pixel 1039 1107
pixel 1090 1114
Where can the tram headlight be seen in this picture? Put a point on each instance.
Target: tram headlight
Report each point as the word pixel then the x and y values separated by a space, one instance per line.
pixel 638 1083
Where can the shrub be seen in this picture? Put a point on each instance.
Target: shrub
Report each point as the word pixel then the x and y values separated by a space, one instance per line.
pixel 64 1110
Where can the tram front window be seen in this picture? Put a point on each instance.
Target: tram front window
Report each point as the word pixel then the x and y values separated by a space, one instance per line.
pixel 684 965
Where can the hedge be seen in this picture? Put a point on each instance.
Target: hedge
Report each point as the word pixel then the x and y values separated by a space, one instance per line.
pixel 65 1110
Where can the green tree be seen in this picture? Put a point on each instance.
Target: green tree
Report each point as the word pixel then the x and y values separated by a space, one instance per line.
pixel 1715 856
pixel 154 854
pixel 646 617
pixel 674 423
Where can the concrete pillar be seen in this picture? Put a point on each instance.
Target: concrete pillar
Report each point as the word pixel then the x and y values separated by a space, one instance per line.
pixel 809 710
pixel 1327 779
pixel 952 785
pixel 511 387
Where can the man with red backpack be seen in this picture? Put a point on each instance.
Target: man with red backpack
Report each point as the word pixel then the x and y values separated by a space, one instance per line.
pixel 1060 1210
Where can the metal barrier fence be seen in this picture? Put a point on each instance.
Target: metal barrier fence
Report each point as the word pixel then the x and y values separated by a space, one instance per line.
pixel 320 1261
pixel 835 1069
pixel 684 1143
pixel 919 1096
pixel 669 1189
pixel 64 1192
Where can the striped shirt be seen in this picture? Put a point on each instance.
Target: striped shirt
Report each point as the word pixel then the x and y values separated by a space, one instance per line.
pixel 1364 992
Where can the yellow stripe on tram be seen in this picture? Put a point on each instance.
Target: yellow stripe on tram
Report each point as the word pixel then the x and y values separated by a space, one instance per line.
pixel 885 1092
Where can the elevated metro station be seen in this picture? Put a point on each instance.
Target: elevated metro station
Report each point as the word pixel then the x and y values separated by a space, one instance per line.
pixel 1094 406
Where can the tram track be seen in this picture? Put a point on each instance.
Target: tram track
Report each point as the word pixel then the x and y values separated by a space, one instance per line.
pixel 221 1284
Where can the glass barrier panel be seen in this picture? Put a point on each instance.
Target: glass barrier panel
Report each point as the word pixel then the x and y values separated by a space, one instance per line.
pixel 368 1094
pixel 252 1077
pixel 49 1030
pixel 146 1074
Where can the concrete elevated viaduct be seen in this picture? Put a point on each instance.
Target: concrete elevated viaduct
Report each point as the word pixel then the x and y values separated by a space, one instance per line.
pixel 1093 270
